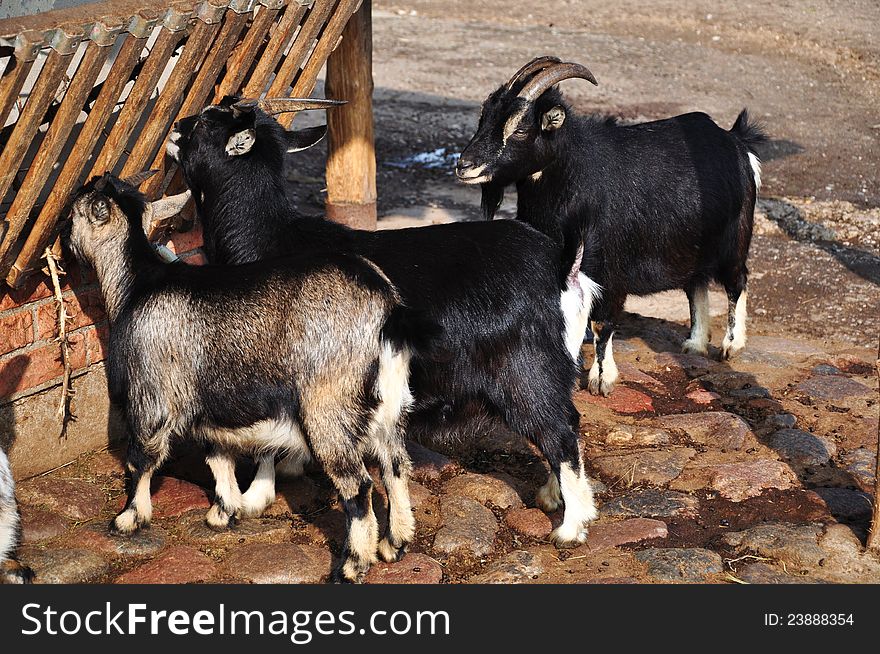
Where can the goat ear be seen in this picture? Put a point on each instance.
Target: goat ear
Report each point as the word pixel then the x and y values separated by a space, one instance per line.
pixel 241 142
pixel 552 119
pixel 100 212
pixel 305 138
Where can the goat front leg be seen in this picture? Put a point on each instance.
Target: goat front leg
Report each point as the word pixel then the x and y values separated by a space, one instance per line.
pixel 698 299
pixel 261 493
pixel 226 510
pixel 603 373
pixel 396 468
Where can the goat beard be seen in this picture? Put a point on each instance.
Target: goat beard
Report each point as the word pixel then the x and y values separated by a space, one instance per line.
pixel 492 193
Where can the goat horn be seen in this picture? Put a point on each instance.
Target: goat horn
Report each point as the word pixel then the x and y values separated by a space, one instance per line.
pixel 543 81
pixel 535 65
pixel 139 178
pixel 289 105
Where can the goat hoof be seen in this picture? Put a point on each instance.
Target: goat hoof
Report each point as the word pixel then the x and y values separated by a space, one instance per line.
pixel 567 537
pixel 693 347
pixel 219 520
pixel 127 524
pixel 15 572
pixel 389 553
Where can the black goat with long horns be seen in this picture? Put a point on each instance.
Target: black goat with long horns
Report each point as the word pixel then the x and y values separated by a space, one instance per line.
pixel 662 205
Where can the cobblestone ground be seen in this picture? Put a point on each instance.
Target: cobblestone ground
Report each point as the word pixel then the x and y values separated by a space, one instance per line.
pixel 754 471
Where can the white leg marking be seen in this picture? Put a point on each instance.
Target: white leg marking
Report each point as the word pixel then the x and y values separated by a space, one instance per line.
pixel 580 509
pixel 756 169
pixel 401 523
pixel 603 381
pixel 698 343
pixel 363 541
pixel 8 510
pixel 223 468
pixel 261 493
pixel 735 339
pixel 576 303
pixel 140 512
pixel 549 495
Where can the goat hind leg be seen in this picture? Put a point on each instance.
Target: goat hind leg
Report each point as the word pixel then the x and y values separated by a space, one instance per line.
pixel 142 460
pixel 261 492
pixel 226 510
pixel 603 373
pixel 737 313
pixel 396 468
pixel 698 341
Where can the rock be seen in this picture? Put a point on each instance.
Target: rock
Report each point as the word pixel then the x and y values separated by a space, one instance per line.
pixel 681 565
pixel 614 534
pixel 789 347
pixel 413 568
pixel 95 536
pixel 622 400
pixel 74 498
pixel 795 545
pixel 753 393
pixel 714 428
pixel 468 527
pixel 631 373
pixel 38 524
pixel 729 380
pixel 66 566
pixel 109 463
pixel 651 502
pixel 826 369
pixel 278 563
pixel 517 567
pixel 693 365
pixel 419 496
pixel 702 396
pixel 427 464
pixel 173 497
pixel 845 561
pixel 194 528
pixel 846 505
pixel 801 448
pixel 761 573
pixel 179 564
pixel 484 489
pixel 781 421
pixel 834 387
pixel 860 463
pixel 532 523
pixel 656 467
pixel 631 435
pixel 738 481
pixel 297 496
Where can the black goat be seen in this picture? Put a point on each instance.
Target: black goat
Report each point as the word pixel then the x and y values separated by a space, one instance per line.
pixel 495 289
pixel 665 205
pixel 305 353
pixel 11 570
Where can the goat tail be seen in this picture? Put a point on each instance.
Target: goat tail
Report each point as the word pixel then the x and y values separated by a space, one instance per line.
pixel 572 254
pixel 749 132
pixel 413 330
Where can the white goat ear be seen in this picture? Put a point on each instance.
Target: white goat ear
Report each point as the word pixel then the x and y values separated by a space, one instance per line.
pixel 241 142
pixel 552 119
pixel 305 138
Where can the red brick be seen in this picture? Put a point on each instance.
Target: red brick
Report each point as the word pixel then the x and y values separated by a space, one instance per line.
pixel 97 342
pixel 181 242
pixel 34 289
pixel 16 330
pixel 83 308
pixel 23 371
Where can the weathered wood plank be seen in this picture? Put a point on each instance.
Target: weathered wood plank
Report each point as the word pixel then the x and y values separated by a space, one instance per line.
pixel 278 40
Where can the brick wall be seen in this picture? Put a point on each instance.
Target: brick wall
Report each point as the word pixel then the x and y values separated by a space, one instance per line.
pixel 30 358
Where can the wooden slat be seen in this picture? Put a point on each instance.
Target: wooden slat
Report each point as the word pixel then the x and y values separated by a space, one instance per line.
pixel 311 27
pixel 119 75
pixel 136 103
pixel 53 143
pixel 274 49
pixel 10 85
pixel 201 87
pixel 20 140
pixel 243 58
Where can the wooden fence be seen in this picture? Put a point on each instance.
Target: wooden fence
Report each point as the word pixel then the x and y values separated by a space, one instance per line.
pixel 98 87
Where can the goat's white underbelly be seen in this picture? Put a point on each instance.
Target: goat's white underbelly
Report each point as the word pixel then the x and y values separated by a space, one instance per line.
pixel 263 436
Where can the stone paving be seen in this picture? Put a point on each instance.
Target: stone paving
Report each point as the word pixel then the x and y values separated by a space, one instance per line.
pixel 759 470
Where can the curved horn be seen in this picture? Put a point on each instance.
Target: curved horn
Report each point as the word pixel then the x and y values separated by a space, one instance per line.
pixel 535 65
pixel 543 81
pixel 274 106
pixel 139 178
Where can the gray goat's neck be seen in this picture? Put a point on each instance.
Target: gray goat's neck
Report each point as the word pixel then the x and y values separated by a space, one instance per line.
pixel 115 268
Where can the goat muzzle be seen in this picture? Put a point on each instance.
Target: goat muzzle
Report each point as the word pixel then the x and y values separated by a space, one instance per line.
pixel 551 76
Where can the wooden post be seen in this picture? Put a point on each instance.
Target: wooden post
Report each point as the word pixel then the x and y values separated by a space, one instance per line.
pixel 351 164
